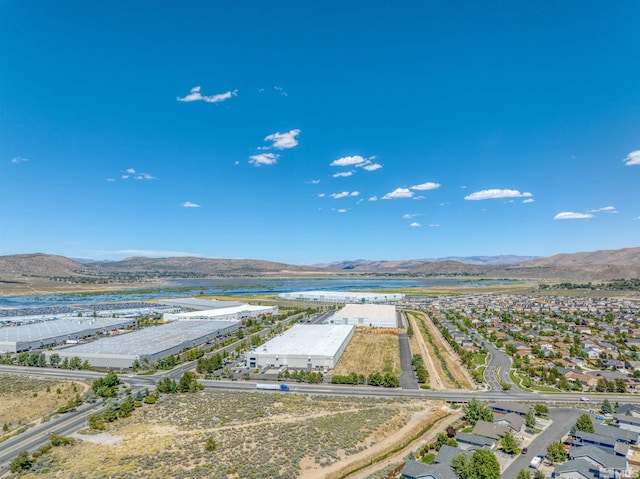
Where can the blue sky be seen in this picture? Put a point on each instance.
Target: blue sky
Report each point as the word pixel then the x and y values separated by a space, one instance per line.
pixel 307 132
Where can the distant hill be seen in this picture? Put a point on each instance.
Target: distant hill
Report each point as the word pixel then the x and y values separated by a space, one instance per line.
pixel 418 264
pixel 590 266
pixel 196 265
pixel 39 265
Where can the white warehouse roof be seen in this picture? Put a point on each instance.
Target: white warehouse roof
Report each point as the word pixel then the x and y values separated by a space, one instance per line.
pixel 199 304
pixel 374 315
pixel 341 296
pixel 234 312
pixel 307 340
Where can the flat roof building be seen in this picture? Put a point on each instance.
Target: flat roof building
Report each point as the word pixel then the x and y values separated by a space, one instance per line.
pixel 373 315
pixel 233 313
pixel 304 346
pixel 341 297
pixel 198 304
pixel 15 339
pixel 153 343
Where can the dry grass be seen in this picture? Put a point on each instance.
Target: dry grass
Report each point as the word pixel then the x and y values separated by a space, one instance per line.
pixel 370 353
pixel 24 399
pixel 258 435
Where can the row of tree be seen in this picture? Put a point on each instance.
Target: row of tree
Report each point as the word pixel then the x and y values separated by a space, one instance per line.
pixel 386 380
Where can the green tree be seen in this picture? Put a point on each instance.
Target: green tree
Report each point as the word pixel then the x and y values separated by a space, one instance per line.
pixel 189 383
pixel 585 424
pixel 509 444
pixel 474 411
pixel 541 409
pixel 606 408
pixel 22 462
pixel 530 419
pixel 54 360
pixel 524 474
pixel 556 452
pixel 481 465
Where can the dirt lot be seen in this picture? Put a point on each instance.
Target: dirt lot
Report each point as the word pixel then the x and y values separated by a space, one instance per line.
pixel 419 346
pixel 370 353
pixel 450 357
pixel 260 435
pixel 25 400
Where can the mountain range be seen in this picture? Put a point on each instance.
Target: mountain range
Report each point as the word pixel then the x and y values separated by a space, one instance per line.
pixel 597 265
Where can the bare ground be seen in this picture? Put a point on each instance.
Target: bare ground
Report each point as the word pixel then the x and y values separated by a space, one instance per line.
pixel 257 435
pixel 435 380
pixel 370 353
pixel 451 357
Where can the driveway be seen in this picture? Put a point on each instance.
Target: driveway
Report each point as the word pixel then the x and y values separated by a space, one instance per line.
pixel 407 378
pixel 563 419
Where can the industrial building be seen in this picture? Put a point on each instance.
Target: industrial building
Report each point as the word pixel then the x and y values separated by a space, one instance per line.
pixel 341 297
pixel 304 346
pixel 197 304
pixel 373 315
pixel 15 339
pixel 240 312
pixel 153 343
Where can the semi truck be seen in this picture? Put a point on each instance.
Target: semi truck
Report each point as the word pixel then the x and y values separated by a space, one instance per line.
pixel 272 387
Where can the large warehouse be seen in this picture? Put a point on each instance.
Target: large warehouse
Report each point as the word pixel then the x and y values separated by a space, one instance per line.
pixel 198 304
pixel 240 312
pixel 304 346
pixel 153 343
pixel 341 297
pixel 16 339
pixel 374 315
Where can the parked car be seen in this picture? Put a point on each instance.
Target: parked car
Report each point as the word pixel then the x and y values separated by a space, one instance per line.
pixel 524 450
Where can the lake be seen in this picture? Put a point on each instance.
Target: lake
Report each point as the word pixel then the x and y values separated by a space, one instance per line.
pixel 236 286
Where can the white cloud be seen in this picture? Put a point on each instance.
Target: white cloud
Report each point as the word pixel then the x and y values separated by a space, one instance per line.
pixel 373 198
pixel 195 95
pixel 281 90
pixel 343 174
pixel 496 193
pixel 606 209
pixel 314 182
pixel 18 159
pixel 111 180
pixel 569 215
pixel 348 161
pixel 371 166
pixel 415 225
pixel 264 159
pixel 398 193
pixel 337 196
pixel 354 193
pixel 434 225
pixel 528 200
pixel 632 158
pixel 426 186
pixel 408 216
pixel 188 204
pixel 132 173
pixel 144 176
pixel 236 163
pixel 321 195
pixel 283 141
pixel 341 210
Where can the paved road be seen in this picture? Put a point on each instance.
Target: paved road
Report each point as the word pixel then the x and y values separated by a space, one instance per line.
pixel 498 368
pixel 408 377
pixel 563 419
